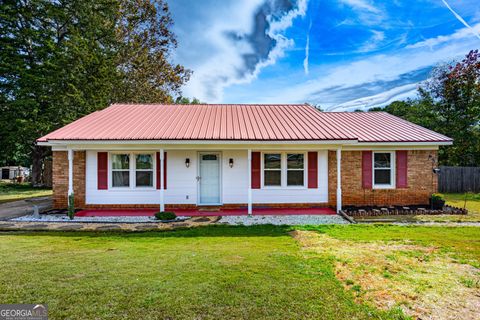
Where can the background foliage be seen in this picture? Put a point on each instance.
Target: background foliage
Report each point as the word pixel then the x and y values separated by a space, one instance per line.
pixel 449 103
pixel 60 60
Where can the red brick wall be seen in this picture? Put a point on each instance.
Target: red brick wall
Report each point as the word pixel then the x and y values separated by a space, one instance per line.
pixel 60 179
pixel 421 181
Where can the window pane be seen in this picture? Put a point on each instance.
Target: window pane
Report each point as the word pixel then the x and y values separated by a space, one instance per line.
pixel 295 161
pixel 272 178
pixel 382 160
pixel 382 176
pixel 272 161
pixel 209 157
pixel 144 161
pixel 120 178
pixel 295 178
pixel 120 161
pixel 144 178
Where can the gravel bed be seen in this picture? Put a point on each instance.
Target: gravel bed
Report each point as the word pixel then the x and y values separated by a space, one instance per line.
pixel 64 218
pixel 283 220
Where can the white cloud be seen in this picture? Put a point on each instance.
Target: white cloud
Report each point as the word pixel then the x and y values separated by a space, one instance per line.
pixel 367 13
pixel 361 5
pixel 228 42
pixel 459 18
pixel 307 49
pixel 373 43
pixel 457 35
pixel 380 68
pixel 378 100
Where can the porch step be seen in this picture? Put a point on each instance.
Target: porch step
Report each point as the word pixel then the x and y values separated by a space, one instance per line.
pixel 209 209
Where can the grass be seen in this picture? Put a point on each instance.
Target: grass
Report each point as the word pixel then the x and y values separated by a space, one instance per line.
pixel 18 191
pixel 472 204
pixel 259 272
pixel 428 272
pixel 204 273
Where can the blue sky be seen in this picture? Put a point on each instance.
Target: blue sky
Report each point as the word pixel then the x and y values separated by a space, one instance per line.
pixel 341 55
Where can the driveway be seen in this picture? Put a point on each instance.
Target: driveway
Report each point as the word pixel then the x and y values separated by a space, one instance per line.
pixel 20 208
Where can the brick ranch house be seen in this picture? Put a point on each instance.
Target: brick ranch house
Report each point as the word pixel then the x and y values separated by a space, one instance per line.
pixel 249 156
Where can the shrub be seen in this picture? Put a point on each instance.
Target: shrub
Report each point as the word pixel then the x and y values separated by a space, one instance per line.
pixel 165 215
pixel 437 197
pixel 71 206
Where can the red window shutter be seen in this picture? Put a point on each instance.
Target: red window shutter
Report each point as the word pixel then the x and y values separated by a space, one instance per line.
pixel 402 168
pixel 255 170
pixel 164 170
pixel 313 170
pixel 102 170
pixel 367 169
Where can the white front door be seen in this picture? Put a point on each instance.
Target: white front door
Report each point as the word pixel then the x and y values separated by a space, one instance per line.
pixel 209 178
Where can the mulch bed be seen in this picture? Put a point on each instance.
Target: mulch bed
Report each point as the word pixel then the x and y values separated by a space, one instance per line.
pixel 372 211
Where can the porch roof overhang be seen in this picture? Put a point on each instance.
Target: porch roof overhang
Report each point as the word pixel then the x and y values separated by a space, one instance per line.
pixel 352 144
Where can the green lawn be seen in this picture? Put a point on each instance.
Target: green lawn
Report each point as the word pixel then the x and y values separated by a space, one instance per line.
pixel 220 272
pixel 18 191
pixel 205 273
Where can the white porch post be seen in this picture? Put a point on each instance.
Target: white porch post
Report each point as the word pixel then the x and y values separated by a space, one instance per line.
pixel 249 181
pixel 162 196
pixel 70 171
pixel 339 179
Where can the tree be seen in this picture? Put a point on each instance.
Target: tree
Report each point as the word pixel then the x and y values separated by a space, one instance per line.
pixel 449 103
pixel 145 45
pixel 60 60
pixel 184 100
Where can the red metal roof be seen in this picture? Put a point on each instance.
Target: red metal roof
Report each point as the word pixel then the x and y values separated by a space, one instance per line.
pixel 239 122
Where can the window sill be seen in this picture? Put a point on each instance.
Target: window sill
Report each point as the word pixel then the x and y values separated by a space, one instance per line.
pixel 138 189
pixel 285 188
pixel 382 187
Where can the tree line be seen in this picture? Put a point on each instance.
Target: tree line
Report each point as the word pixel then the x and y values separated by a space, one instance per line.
pixel 63 59
pixel 449 103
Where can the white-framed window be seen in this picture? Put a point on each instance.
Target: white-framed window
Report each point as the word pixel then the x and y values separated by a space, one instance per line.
pixel 120 170
pixel 383 169
pixel 295 169
pixel 283 169
pixel 272 169
pixel 143 170
pixel 132 170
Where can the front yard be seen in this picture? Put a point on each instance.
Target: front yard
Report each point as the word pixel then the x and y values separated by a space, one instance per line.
pixel 234 272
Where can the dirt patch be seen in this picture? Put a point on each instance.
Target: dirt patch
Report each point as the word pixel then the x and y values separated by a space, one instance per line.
pixel 424 282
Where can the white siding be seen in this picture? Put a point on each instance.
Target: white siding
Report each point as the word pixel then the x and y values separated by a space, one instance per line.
pixel 298 195
pixel 182 183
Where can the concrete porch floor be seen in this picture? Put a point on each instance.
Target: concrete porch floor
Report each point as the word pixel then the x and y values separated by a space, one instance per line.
pixel 197 213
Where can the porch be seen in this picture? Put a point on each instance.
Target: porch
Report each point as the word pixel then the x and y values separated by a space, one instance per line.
pixel 198 212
